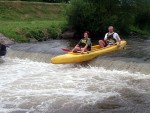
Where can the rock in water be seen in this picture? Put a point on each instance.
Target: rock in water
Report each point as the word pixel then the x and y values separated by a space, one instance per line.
pixel 68 35
pixel 5 41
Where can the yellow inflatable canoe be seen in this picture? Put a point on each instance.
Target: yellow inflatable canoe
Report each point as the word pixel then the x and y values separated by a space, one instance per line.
pixel 78 57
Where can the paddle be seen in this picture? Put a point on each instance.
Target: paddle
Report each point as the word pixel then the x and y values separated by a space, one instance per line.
pixel 66 50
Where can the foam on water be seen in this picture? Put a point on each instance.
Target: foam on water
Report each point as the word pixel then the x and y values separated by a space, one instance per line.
pixel 34 87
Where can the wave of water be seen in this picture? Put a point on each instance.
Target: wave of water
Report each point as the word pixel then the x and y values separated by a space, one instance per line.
pixel 108 62
pixel 34 87
pixel 120 63
pixel 135 58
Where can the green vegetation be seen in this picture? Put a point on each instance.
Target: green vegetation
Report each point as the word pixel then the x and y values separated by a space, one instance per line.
pixel 40 30
pixel 97 15
pixel 25 20
pixel 27 11
pixel 50 1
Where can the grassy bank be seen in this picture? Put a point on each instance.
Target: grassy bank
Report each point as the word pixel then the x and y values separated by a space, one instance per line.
pixel 25 20
pixel 24 31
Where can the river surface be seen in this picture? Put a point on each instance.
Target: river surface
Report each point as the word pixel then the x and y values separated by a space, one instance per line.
pixel 114 83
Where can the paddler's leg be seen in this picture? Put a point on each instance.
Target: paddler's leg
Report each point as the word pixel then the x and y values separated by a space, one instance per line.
pixel 84 50
pixel 102 43
pixel 76 49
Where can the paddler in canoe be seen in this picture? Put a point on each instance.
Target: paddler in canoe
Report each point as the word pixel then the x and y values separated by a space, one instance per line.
pixel 84 44
pixel 96 50
pixel 111 38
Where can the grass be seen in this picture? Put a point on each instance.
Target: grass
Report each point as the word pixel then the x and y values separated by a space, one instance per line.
pixel 24 31
pixel 28 11
pixel 22 21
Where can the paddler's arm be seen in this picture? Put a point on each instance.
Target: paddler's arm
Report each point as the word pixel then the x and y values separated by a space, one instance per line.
pixel 87 44
pixel 105 38
pixel 85 48
pixel 76 46
pixel 119 43
pixel 118 40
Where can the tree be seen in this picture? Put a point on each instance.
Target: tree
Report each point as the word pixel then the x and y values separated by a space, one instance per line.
pixel 97 15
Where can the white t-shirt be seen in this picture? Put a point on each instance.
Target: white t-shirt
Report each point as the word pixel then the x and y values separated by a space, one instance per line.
pixel 115 35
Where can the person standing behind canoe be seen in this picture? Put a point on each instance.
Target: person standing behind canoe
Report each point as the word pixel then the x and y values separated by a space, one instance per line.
pixel 2 48
pixel 111 38
pixel 84 45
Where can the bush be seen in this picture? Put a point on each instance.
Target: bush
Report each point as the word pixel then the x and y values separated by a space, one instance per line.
pixel 142 20
pixel 41 34
pixel 97 15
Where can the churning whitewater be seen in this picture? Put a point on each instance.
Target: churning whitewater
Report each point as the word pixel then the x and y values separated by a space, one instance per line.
pixel 34 87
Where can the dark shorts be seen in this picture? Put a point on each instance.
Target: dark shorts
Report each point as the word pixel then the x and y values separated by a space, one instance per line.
pixel 106 44
pixel 88 48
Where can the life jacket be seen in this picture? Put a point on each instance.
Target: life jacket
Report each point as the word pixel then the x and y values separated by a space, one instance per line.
pixel 83 43
pixel 110 39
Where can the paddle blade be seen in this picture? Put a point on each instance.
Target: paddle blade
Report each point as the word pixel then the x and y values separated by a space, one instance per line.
pixel 66 50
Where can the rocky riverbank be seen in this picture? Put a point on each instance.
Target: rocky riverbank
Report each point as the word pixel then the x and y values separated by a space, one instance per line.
pixel 5 40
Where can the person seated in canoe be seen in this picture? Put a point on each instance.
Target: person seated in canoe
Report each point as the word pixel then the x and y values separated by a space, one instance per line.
pixel 84 45
pixel 111 38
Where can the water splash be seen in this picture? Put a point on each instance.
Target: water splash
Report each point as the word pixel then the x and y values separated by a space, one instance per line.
pixel 34 87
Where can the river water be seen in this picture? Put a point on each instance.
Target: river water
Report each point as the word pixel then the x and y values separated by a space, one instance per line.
pixel 114 83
